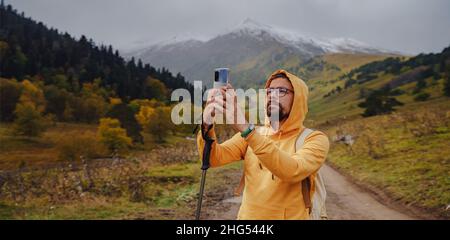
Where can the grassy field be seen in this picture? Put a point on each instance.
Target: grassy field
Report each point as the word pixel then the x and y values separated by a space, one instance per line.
pixel 345 105
pixel 405 154
pixel 347 62
pixel 152 181
pixel 46 150
pixel 144 186
pixel 170 193
pixel 37 151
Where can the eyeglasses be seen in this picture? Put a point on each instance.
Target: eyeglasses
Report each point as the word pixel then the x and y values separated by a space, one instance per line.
pixel 278 91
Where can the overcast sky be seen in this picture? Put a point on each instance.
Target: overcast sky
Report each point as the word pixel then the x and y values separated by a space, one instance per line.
pixel 410 26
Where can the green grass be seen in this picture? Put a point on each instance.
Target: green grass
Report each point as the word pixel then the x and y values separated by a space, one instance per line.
pixel 36 151
pixel 161 194
pixel 412 170
pixel 171 194
pixel 181 170
pixel 347 62
pixel 345 104
pixel 98 209
pixel 43 151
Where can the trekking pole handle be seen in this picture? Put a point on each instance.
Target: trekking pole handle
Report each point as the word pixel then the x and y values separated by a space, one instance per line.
pixel 206 153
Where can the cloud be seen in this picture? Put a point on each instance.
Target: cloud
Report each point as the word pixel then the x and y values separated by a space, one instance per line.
pixel 411 26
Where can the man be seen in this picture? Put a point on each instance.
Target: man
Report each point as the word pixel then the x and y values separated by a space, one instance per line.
pixel 273 169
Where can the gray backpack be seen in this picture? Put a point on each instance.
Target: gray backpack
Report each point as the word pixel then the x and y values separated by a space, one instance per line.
pixel 317 209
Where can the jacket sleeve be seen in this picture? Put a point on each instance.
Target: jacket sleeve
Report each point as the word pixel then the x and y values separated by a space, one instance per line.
pixel 229 151
pixel 292 167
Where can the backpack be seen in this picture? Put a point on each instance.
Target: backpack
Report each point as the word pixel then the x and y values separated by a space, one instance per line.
pixel 313 186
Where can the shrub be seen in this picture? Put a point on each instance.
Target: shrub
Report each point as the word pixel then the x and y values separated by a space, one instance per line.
pixel 112 135
pixel 422 97
pixel 29 121
pixel 72 148
pixel 156 121
pixel 379 102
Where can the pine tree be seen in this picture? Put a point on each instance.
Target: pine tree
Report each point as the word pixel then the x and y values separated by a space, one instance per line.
pixel 421 84
pixel 447 85
pixel 379 102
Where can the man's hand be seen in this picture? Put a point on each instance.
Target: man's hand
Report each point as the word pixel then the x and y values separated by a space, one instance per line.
pixel 224 101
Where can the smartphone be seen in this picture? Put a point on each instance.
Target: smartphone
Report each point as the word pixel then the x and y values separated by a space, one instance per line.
pixel 221 77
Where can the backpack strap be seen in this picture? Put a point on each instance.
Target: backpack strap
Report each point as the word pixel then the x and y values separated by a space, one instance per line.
pixel 306 193
pixel 301 139
pixel 306 183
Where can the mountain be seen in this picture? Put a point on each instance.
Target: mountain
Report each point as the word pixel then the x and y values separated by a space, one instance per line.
pixel 251 50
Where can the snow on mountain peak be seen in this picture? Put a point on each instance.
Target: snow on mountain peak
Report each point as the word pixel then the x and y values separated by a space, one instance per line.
pixel 306 43
pixel 256 29
pixel 299 40
pixel 249 23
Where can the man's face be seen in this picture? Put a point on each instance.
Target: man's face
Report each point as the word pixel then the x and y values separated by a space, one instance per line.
pixel 279 103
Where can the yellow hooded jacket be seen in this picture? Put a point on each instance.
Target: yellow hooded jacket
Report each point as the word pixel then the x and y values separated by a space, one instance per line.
pixel 273 169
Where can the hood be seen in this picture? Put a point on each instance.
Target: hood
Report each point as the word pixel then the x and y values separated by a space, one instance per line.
pixel 299 106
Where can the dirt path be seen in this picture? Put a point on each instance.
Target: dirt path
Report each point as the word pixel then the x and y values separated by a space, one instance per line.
pixel 345 200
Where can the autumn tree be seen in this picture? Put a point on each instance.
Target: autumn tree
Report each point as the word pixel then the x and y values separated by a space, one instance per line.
pixel 10 91
pixel 125 114
pixel 155 89
pixel 156 121
pixel 112 135
pixel 29 111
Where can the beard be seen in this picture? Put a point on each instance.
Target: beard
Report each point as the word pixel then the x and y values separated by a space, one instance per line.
pixel 276 112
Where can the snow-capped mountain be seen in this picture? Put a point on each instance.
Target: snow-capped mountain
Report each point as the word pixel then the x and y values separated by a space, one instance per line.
pixel 290 38
pixel 248 45
pixel 179 41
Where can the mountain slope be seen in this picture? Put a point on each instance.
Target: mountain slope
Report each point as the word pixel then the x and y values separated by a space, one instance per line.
pixel 417 81
pixel 29 48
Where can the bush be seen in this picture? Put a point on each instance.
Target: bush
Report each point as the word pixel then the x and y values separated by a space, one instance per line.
pixel 125 114
pixel 156 121
pixel 72 148
pixel 422 97
pixel 112 135
pixel 29 121
pixel 10 91
pixel 379 102
pixel 155 89
pixel 57 102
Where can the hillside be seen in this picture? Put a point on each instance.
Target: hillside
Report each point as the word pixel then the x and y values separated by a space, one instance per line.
pixel 338 96
pixel 29 49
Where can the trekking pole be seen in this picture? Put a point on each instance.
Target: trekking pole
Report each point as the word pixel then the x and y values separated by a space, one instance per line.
pixel 205 166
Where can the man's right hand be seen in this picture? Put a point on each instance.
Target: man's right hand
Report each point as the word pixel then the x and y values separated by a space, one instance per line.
pixel 213 106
